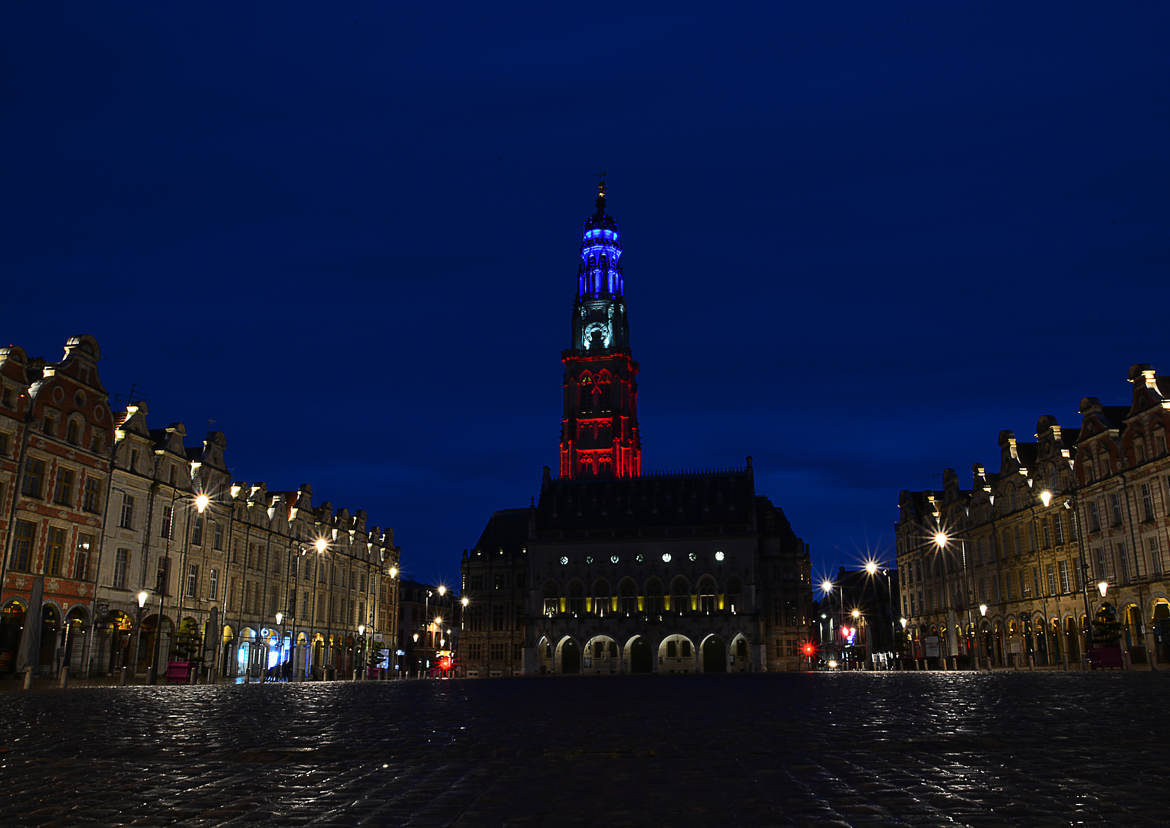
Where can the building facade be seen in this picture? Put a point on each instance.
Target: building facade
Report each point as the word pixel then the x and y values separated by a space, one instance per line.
pixel 1013 570
pixel 428 629
pixel 141 550
pixel 858 621
pixel 615 571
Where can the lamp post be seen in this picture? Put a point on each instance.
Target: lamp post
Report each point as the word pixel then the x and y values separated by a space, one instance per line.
pixel 1088 631
pixel 980 654
pixel 320 544
pixel 858 625
pixel 280 632
pixel 941 539
pixel 163 577
pixel 827 587
pixel 871 568
pixel 357 650
pixel 426 615
pixel 1103 589
pixel 201 502
pixel 142 597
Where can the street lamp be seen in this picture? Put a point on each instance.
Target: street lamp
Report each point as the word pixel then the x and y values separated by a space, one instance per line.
pixel 857 625
pixel 982 654
pixel 280 646
pixel 827 587
pixel 142 597
pixel 320 544
pixel 871 569
pixel 941 540
pixel 357 649
pixel 163 579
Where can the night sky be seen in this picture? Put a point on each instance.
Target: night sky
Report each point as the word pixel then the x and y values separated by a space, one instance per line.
pixel 859 239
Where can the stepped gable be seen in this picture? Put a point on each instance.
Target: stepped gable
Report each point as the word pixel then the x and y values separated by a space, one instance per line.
pixel 721 500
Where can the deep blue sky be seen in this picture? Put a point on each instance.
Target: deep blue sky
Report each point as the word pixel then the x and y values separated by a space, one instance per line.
pixel 860 240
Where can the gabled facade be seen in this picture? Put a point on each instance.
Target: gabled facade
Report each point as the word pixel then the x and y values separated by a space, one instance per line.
pixel 1017 579
pixel 58 431
pixel 98 508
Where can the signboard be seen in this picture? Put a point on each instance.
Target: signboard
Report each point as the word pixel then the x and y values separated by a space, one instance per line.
pixel 930 648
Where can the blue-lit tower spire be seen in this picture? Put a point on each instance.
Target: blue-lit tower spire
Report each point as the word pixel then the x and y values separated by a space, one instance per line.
pixel 599 429
pixel 599 314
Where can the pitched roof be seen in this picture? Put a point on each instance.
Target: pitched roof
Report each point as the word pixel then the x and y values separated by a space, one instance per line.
pixel 702 499
pixel 507 529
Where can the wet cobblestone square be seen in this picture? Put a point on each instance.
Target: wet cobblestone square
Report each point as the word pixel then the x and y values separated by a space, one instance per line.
pixel 862 748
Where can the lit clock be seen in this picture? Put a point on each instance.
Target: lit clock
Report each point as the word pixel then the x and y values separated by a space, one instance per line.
pixel 596 334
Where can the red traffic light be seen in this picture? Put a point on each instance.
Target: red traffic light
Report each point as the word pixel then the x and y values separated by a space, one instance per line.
pixel 809 648
pixel 445 663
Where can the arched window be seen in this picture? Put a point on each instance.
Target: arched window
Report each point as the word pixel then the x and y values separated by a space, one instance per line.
pixel 653 602
pixel 680 595
pixel 73 431
pixel 576 597
pixel 707 595
pixel 601 605
pixel 627 597
pixel 552 598
pixel 734 588
pixel 585 394
pixel 603 386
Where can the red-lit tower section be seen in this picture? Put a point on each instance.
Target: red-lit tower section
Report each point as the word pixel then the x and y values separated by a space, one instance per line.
pixel 599 430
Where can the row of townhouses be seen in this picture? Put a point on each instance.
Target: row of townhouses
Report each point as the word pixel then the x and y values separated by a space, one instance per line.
pixel 125 547
pixel 1072 527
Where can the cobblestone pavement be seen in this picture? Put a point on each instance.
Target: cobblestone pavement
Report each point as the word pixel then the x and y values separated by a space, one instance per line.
pixel 828 749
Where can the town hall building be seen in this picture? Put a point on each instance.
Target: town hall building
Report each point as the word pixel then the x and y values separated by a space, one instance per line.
pixel 612 570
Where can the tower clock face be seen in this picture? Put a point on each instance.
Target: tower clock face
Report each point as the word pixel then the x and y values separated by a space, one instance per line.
pixel 597 335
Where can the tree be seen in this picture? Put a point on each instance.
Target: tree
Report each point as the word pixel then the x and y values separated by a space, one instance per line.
pixel 186 641
pixel 1106 628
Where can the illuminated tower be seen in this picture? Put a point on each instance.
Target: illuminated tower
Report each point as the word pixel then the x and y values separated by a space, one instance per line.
pixel 599 430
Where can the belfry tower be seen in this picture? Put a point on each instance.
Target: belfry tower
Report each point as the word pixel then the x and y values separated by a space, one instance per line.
pixel 599 430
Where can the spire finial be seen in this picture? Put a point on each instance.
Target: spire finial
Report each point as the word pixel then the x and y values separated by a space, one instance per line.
pixel 601 193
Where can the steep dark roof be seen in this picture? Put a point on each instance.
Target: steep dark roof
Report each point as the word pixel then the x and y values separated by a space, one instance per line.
pixel 1115 415
pixel 507 529
pixel 719 501
pixel 1027 452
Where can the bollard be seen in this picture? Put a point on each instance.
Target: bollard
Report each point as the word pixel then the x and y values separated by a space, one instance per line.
pixel 63 680
pixel 28 679
pixel 123 680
